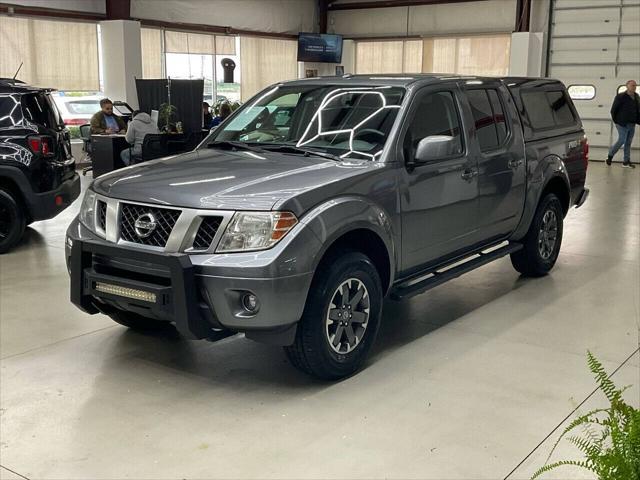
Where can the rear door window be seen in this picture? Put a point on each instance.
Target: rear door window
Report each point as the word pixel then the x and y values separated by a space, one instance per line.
pixel 547 109
pixel 10 114
pixel 499 116
pixel 483 119
pixel 38 108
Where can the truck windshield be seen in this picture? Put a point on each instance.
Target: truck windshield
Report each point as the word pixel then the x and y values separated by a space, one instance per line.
pixel 348 122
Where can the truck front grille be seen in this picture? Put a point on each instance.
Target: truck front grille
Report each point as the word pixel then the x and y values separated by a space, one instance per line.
pixel 102 215
pixel 206 232
pixel 154 224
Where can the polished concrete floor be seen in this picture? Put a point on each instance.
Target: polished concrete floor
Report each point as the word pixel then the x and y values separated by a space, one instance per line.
pixel 466 381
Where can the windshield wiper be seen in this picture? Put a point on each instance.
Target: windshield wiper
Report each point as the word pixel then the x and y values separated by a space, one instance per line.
pixel 232 145
pixel 283 148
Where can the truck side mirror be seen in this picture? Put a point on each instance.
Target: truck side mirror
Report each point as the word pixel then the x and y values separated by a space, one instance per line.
pixel 435 147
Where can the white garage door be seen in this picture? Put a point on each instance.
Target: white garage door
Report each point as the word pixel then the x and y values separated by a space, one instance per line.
pixel 595 47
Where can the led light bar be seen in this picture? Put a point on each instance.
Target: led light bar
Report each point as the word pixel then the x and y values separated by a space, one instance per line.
pixel 126 292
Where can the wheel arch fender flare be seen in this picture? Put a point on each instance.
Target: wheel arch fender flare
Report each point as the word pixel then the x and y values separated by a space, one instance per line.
pixel 550 169
pixel 334 219
pixel 14 179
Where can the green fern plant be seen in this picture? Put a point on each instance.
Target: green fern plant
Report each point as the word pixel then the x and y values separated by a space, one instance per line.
pixel 611 436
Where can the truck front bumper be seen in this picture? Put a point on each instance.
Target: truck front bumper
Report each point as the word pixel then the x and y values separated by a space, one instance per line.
pixel 200 300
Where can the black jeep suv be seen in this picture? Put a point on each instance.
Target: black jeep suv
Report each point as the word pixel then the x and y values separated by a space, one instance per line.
pixel 37 171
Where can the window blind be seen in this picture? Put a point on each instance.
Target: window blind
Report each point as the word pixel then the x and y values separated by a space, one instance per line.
pixel 57 54
pixel 199 43
pixel 265 61
pixel 393 56
pixel 472 55
pixel 151 43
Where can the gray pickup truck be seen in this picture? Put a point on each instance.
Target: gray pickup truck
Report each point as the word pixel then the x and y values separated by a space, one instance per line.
pixel 294 219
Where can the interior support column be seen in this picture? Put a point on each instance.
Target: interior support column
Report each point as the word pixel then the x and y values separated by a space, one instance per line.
pixel 121 59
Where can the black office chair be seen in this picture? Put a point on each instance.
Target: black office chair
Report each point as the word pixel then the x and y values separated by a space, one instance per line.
pixel 85 134
pixel 154 146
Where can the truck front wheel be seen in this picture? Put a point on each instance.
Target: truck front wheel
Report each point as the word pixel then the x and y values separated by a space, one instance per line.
pixel 341 318
pixel 543 240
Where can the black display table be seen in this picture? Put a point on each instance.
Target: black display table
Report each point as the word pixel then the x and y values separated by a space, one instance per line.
pixel 105 153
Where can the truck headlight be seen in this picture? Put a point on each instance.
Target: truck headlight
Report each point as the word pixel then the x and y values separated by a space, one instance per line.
pixel 88 210
pixel 249 231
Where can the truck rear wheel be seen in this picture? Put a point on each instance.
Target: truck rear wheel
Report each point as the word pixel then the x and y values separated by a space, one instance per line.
pixel 543 240
pixel 138 322
pixel 12 221
pixel 341 318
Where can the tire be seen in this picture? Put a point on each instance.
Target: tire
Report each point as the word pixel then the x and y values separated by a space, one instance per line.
pixel 138 322
pixel 12 221
pixel 543 240
pixel 335 348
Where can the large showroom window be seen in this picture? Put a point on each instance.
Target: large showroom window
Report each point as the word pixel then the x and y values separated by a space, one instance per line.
pixel 151 40
pixel 67 60
pixel 185 55
pixel 396 56
pixel 477 55
pixel 75 74
pixel 266 61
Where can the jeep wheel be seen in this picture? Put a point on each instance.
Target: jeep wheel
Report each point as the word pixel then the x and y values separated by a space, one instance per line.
pixel 543 240
pixel 340 320
pixel 12 221
pixel 138 322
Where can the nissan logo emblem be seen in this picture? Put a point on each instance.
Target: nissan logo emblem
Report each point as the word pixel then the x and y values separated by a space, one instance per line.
pixel 145 225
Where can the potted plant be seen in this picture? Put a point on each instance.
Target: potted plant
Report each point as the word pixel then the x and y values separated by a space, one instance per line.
pixel 167 117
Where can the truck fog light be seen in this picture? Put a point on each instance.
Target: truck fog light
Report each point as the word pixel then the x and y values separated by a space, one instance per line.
pixel 69 242
pixel 250 303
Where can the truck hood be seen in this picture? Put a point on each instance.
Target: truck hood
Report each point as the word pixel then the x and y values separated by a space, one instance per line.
pixel 216 179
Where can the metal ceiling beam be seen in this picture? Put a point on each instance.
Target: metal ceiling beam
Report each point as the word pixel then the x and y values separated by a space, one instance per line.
pixel 118 9
pixel 322 15
pixel 523 15
pixel 390 3
pixel 21 10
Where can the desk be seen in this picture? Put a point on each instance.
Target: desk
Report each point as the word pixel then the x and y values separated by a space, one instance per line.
pixel 105 153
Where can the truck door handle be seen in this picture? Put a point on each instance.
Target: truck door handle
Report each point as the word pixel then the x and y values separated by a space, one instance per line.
pixel 469 173
pixel 515 163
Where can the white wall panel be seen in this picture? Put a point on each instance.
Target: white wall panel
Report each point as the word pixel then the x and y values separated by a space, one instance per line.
pixel 369 22
pixel 594 21
pixel 605 32
pixel 631 20
pixel 278 16
pixel 474 17
pixel 486 16
pixel 560 4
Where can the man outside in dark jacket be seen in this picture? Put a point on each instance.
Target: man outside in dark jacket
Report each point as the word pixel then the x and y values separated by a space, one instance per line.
pixel 105 121
pixel 625 113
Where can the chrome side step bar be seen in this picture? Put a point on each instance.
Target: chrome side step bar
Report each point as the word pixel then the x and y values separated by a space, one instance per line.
pixel 443 274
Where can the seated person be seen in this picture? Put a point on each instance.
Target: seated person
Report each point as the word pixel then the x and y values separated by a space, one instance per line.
pixel 105 122
pixel 140 126
pixel 225 111
pixel 207 118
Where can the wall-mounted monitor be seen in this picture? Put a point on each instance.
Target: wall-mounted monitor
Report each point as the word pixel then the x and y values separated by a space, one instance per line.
pixel 319 47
